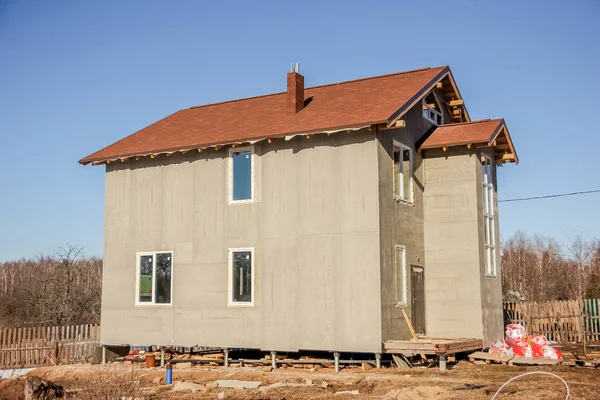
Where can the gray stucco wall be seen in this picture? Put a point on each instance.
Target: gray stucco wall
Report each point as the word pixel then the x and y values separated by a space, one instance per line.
pixel 314 228
pixel 400 223
pixel 452 245
pixel 462 301
pixel 491 287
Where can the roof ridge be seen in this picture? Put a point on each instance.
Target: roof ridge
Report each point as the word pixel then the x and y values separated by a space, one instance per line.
pixel 314 87
pixel 376 77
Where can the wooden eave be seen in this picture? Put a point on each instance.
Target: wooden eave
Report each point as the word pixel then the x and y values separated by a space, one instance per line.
pixel 218 146
pixel 452 99
pixel 503 146
pixel 500 140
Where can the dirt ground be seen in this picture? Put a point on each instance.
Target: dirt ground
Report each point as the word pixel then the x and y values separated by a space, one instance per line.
pixel 464 381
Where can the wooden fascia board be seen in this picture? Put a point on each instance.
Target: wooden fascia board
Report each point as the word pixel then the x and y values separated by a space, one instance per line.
pixel 423 92
pixel 455 88
pixel 510 144
pixel 497 131
pixel 417 97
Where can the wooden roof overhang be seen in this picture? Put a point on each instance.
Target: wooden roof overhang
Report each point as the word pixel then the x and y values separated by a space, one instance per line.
pixel 499 140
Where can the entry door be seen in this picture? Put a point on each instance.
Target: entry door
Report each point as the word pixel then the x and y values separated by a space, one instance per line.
pixel 418 299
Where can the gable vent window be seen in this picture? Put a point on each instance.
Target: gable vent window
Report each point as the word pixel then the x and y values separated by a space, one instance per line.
pixel 489 229
pixel 403 182
pixel 432 110
pixel 241 175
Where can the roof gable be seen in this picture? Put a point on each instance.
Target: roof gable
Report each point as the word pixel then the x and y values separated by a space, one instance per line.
pixel 487 132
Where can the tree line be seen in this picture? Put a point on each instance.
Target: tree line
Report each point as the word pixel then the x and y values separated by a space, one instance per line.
pixel 66 289
pixel 63 289
pixel 536 268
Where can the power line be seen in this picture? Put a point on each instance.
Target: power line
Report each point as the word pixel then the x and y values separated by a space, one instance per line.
pixel 550 196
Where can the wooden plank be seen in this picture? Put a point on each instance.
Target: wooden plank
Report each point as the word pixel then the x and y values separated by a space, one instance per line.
pixel 3 333
pixel 481 355
pixel 533 361
pixel 19 359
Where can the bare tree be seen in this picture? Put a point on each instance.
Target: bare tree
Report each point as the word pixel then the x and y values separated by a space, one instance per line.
pixel 62 289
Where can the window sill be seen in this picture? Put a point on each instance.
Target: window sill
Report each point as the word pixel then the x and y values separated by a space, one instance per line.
pixel 490 276
pixel 403 201
pixel 234 202
pixel 142 305
pixel 241 305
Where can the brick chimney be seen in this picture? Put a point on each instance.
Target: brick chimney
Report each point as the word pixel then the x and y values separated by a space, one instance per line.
pixel 295 90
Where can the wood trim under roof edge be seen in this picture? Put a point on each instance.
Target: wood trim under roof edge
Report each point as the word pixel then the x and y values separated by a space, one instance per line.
pixel 489 143
pixel 446 72
pixel 105 160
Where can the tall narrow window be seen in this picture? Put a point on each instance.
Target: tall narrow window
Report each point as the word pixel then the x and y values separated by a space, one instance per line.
pixel 403 180
pixel 154 278
pixel 400 272
pixel 489 229
pixel 241 276
pixel 241 188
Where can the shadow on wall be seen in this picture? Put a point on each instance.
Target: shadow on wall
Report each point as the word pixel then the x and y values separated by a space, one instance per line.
pixel 297 144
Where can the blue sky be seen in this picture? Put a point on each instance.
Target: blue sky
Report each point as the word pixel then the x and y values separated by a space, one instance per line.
pixel 76 76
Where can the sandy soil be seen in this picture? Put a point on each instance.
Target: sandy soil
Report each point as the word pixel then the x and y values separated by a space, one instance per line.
pixel 385 383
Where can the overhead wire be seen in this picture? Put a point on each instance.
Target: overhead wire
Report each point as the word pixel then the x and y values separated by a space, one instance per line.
pixel 550 196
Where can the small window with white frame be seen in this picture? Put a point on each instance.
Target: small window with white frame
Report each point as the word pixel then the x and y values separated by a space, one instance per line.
pixel 154 278
pixel 241 175
pixel 489 228
pixel 403 174
pixel 400 275
pixel 241 277
pixel 432 110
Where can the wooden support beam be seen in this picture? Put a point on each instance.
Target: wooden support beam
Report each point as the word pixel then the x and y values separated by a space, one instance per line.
pixel 444 148
pixel 200 149
pixel 505 157
pixel 456 103
pixel 439 85
pixel 218 147
pixel 400 123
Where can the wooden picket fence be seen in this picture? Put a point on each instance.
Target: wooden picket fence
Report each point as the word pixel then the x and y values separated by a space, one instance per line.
pixel 561 321
pixel 52 345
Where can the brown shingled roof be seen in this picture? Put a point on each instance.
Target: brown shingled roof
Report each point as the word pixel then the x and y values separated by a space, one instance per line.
pixel 487 132
pixel 353 103
pixel 465 133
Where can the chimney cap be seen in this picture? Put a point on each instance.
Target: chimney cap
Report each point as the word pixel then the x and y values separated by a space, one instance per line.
pixel 295 68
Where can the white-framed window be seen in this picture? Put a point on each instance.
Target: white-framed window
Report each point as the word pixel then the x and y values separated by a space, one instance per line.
pixel 403 173
pixel 432 110
pixel 154 278
pixel 400 274
pixel 241 277
pixel 489 228
pixel 241 175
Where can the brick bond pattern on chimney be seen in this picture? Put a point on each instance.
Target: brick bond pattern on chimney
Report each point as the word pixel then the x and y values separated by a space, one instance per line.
pixel 295 92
